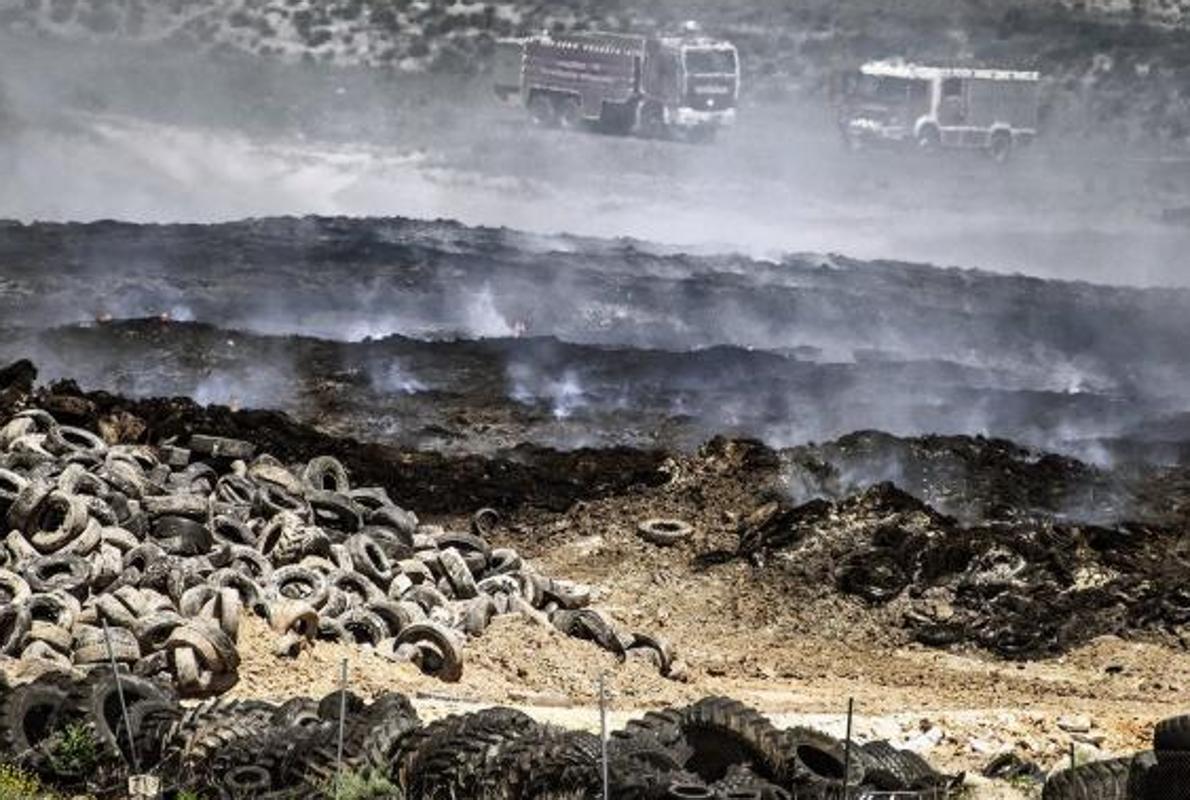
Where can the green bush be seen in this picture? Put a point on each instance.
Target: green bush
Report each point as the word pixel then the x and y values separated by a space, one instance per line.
pixel 73 751
pixel 362 786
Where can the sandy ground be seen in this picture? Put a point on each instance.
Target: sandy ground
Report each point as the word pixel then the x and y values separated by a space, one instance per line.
pixel 742 637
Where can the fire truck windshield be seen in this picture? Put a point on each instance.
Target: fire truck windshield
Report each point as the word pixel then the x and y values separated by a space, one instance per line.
pixel 711 61
pixel 884 89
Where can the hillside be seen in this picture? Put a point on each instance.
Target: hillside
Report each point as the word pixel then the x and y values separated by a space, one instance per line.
pixel 1116 69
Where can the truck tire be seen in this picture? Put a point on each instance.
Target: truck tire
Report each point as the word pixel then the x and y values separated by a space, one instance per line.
pixel 1172 734
pixel 815 759
pixel 1100 779
pixel 929 139
pixel 725 733
pixel 888 769
pixel 651 124
pixel 1000 146
pixel 1166 779
pixel 542 111
pixel 617 119
pixel 570 113
pixel 28 714
pixel 1138 773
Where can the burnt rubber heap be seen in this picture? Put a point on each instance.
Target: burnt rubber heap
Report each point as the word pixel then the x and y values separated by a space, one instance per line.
pixel 713 748
pixel 1024 588
pixel 997 546
pixel 426 481
pixel 488 338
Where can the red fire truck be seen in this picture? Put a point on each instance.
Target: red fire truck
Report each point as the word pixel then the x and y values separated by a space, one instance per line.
pixel 681 86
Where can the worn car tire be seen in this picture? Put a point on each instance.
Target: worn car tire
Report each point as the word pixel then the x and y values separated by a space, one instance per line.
pixel 13 588
pixel 296 582
pixel 124 647
pixel 458 574
pixel 96 702
pixel 326 473
pixel 664 532
pixel 370 560
pixel 28 714
pixel 64 572
pixel 15 622
pixel 334 511
pixel 450 669
pixel 363 627
pixel 818 759
pixel 182 536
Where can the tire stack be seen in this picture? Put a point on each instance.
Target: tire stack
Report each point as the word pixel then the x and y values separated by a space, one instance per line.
pixel 1160 774
pixel 1164 773
pixel 168 547
pixel 714 748
pixel 227 748
pixel 738 753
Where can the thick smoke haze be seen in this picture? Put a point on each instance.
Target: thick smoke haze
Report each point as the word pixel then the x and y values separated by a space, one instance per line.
pixel 571 341
pixel 687 317
pixel 144 134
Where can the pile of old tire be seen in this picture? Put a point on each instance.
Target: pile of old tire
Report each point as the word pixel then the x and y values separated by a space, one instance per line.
pixel 1097 780
pixel 739 753
pixel 1162 773
pixel 216 748
pixel 714 748
pixel 166 547
pixel 35 716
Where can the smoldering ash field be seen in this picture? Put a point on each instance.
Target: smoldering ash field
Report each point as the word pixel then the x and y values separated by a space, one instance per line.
pixel 312 350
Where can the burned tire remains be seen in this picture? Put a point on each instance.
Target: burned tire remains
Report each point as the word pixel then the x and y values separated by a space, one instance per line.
pixel 1008 588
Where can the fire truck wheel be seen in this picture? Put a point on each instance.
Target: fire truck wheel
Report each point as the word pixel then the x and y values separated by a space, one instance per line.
pixel 652 121
pixel 542 111
pixel 569 113
pixel 929 140
pixel 1000 148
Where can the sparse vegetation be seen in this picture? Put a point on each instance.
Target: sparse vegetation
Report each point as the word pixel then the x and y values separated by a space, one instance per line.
pixel 362 785
pixel 16 784
pixel 20 784
pixel 73 751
